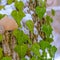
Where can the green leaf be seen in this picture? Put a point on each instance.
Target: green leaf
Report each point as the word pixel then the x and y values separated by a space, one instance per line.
pixel 44 45
pixel 33 58
pixel 23 59
pixel 19 5
pixel 21 50
pixel 14 14
pixel 49 40
pixel 0 0
pixel 1 16
pixel 40 11
pixel 53 12
pixel 1 7
pixel 10 1
pixel 44 54
pixel 47 29
pixel 52 51
pixel 42 3
pixel 1 53
pixel 7 58
pixel 21 14
pixel 21 37
pixel 1 37
pixel 35 49
pixel 50 58
pixel 49 19
pixel 17 16
pixel 30 25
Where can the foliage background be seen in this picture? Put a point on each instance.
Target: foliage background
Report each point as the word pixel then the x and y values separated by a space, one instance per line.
pixel 8 10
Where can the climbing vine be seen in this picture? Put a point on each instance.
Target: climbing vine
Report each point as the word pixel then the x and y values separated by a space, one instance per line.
pixel 28 44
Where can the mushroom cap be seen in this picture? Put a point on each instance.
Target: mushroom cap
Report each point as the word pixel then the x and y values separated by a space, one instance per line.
pixel 8 23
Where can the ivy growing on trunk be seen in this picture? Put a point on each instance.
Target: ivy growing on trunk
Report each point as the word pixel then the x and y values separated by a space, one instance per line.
pixel 28 44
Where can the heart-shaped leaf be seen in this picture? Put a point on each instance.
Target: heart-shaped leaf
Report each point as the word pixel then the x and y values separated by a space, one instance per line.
pixel 40 11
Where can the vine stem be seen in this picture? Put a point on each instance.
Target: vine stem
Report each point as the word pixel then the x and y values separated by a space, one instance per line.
pixel 5 44
pixel 32 6
pixel 8 45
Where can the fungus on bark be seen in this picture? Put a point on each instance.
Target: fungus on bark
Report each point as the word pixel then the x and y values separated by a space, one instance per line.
pixel 9 24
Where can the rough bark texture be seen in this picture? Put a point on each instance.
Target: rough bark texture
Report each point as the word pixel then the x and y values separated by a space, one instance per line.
pixel 8 45
pixel 9 40
pixel 32 6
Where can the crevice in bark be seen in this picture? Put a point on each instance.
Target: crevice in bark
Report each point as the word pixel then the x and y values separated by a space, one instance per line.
pixel 8 45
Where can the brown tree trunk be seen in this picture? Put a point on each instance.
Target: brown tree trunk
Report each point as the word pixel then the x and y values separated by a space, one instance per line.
pixel 8 45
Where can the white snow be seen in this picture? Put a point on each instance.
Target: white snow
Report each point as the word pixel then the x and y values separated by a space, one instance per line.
pixel 3 2
pixel 39 38
pixel 25 30
pixel 35 31
pixel 27 57
pixel 8 9
pixel 26 9
pixel 27 17
pixel 57 58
